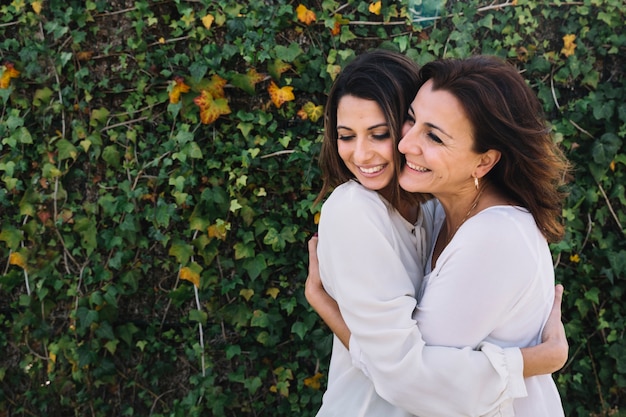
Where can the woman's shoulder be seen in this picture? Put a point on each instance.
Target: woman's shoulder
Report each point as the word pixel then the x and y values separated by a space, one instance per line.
pixel 351 202
pixel 351 192
pixel 510 222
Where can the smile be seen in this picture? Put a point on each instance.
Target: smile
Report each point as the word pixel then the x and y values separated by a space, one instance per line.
pixel 416 167
pixel 372 170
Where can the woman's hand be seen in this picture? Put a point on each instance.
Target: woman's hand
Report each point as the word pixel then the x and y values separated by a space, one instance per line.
pixel 554 331
pixel 313 286
pixel 551 354
pixel 319 299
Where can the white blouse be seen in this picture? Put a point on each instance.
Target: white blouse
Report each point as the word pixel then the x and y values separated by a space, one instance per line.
pixel 371 263
pixel 494 282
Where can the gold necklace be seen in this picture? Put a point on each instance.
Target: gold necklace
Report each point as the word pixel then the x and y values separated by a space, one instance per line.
pixel 473 206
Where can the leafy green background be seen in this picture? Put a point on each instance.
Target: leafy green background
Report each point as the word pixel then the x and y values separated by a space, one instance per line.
pixel 107 190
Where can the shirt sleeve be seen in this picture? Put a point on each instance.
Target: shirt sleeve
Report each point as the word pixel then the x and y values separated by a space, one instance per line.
pixel 361 269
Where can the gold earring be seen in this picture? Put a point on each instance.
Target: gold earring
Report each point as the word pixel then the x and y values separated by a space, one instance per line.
pixel 476 182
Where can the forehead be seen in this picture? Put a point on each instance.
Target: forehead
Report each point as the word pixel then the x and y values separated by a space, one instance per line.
pixel 438 103
pixel 353 110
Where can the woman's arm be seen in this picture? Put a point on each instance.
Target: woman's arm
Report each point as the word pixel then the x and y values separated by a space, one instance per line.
pixel 545 358
pixel 325 306
pixel 551 354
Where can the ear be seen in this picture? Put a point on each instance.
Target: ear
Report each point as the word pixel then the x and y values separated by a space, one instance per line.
pixel 487 161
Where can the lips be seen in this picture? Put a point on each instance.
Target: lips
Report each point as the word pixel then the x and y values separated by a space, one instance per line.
pixel 417 168
pixel 371 170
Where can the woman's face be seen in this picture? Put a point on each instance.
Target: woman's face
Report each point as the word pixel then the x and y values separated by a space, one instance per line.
pixel 364 142
pixel 439 146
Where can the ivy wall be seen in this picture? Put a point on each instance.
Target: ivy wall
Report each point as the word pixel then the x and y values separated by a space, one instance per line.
pixel 157 172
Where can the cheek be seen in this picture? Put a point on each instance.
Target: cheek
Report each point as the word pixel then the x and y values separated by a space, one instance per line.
pixel 343 149
pixel 388 150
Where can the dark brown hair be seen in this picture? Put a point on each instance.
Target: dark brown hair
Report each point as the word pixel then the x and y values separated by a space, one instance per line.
pixel 391 80
pixel 507 116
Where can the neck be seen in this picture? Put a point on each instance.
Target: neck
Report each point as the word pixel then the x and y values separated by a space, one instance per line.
pixel 457 213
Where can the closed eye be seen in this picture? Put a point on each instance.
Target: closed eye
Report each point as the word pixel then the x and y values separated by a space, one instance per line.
pixel 434 137
pixel 382 136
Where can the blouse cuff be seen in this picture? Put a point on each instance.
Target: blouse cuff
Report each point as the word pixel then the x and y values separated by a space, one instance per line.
pixel 509 364
pixel 357 357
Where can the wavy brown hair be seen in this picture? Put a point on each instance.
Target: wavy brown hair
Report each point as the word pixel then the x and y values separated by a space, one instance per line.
pixel 392 81
pixel 507 116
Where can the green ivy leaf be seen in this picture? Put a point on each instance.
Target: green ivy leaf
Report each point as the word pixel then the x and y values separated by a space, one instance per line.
pixel 255 266
pixel 22 135
pixel 259 319
pixel 300 329
pixel 198 316
pixel 99 117
pixel 243 250
pixel 42 96
pixel 181 251
pixel 232 351
pixel 288 54
pixel 112 156
pixel 11 236
pixel 66 149
pixel 87 229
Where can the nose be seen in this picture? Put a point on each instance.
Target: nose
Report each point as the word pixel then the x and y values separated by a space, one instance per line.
pixel 362 150
pixel 408 142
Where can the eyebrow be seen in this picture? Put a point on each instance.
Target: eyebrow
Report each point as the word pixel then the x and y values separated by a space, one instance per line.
pixel 439 129
pixel 369 128
pixel 412 111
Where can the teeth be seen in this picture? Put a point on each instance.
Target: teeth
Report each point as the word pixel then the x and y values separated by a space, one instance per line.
pixel 416 167
pixel 372 170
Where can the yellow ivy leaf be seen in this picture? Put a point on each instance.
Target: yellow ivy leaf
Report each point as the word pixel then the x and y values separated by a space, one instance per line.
pixel 189 275
pixel 568 45
pixel 247 81
pixel 211 109
pixel 254 76
pixel 314 381
pixel 272 292
pixel 52 360
pixel 216 86
pixel 219 229
pixel 333 70
pixel 305 15
pixel 280 95
pixel 246 293
pixel 18 4
pixel 207 21
pixel 612 166
pixel 375 8
pixel 84 55
pixel 161 40
pixel 8 72
pixel 316 218
pixel 277 67
pixel 188 19
pixel 36 5
pixel 311 111
pixel 18 259
pixel 574 258
pixel 177 87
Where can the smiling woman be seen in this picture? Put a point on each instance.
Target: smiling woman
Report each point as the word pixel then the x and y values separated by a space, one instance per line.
pixel 365 143
pixel 374 239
